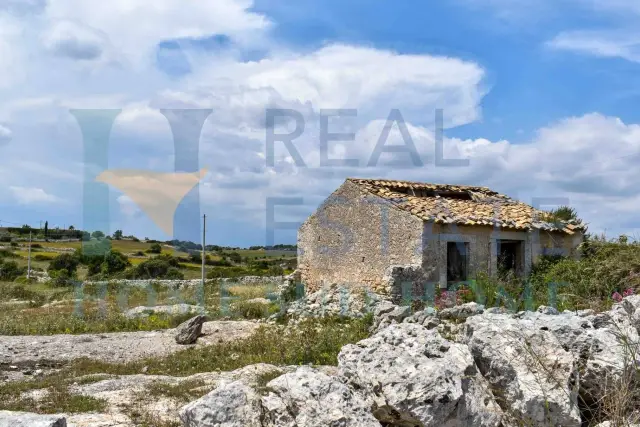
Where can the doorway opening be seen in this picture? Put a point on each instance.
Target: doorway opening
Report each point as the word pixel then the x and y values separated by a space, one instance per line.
pixel 510 257
pixel 457 261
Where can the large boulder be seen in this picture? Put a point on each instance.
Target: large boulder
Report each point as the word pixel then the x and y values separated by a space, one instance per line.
pixel 25 419
pixel 388 314
pixel 605 347
pixel 426 318
pixel 189 331
pixel 534 379
pixel 412 376
pixel 310 398
pixel 631 306
pixel 231 404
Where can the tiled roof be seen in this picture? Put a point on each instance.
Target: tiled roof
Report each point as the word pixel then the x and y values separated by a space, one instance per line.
pixel 462 205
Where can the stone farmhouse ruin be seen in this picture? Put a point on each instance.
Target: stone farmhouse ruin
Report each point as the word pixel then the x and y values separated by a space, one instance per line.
pixel 379 233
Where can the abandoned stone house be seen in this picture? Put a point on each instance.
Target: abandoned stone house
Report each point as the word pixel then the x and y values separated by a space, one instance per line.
pixel 377 233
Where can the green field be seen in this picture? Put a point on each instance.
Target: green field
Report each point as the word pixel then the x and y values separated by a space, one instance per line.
pixel 136 252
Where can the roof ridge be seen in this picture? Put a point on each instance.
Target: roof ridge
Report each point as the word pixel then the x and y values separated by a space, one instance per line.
pixel 402 181
pixel 484 207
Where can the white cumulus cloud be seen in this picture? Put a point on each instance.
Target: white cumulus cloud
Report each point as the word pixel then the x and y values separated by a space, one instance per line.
pixel 32 195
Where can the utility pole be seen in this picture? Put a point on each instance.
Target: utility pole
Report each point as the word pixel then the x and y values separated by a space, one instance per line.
pixel 29 259
pixel 204 232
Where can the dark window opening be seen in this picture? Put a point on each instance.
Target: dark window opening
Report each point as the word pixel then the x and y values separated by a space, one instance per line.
pixel 510 257
pixel 457 260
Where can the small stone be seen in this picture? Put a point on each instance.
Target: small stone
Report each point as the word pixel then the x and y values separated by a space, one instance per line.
pixel 189 331
pixel 543 309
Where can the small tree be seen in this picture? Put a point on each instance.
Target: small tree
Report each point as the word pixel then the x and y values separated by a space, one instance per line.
pixel 46 229
pixel 117 235
pixel 97 235
pixel 114 262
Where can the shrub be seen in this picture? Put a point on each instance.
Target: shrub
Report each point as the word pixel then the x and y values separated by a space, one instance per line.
pixel 17 291
pixel 5 238
pixel 60 278
pixel 155 249
pixel 43 257
pixel 227 272
pixel 218 262
pixel 275 270
pixel 160 267
pixel 23 280
pixel 7 254
pixel 235 257
pixel 14 244
pixel 195 257
pixel 251 310
pixel 9 271
pixel 67 262
pixel 97 235
pixel 606 267
pixel 114 262
pixel 174 274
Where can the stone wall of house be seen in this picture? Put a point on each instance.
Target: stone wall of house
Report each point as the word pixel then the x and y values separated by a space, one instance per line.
pixel 477 239
pixel 353 238
pixel 550 243
pixel 357 240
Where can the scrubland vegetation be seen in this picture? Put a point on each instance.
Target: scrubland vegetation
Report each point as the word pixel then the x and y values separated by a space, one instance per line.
pixel 605 271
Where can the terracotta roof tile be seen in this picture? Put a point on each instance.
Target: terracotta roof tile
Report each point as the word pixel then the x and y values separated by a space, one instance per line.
pixel 459 204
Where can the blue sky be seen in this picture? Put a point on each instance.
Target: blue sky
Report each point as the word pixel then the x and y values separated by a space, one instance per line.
pixel 540 96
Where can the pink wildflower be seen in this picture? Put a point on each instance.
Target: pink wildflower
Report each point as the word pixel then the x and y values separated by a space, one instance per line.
pixel 616 297
pixel 627 293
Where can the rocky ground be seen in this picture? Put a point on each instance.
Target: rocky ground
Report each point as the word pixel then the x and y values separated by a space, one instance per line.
pixel 460 367
pixel 22 356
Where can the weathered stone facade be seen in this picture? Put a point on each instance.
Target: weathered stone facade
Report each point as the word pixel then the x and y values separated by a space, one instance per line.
pixel 346 241
pixel 360 240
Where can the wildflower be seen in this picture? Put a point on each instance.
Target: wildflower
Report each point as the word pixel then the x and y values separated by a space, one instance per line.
pixel 627 293
pixel 616 297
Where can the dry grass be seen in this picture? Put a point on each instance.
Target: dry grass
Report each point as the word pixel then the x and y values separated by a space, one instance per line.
pixel 102 307
pixel 313 341
pixel 183 392
pixel 251 291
